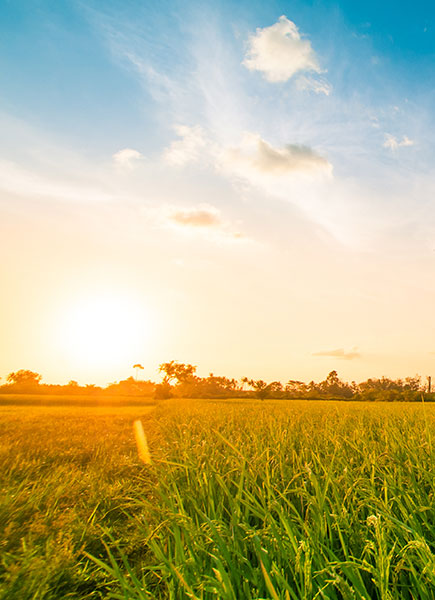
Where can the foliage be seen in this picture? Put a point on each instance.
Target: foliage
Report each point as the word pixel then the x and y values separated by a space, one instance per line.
pixel 173 371
pixel 180 380
pixel 189 385
pixel 390 390
pixel 262 389
pixel 180 372
pixel 23 381
pixel 131 387
pixel 208 387
pixel 333 386
pixel 24 376
pixel 412 384
pixel 163 391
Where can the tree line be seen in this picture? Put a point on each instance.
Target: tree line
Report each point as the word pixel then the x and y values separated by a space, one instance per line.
pixel 181 380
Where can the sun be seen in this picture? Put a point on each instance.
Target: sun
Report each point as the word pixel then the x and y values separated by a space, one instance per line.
pixel 104 329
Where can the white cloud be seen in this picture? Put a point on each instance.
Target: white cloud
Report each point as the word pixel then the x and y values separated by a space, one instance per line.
pixel 255 155
pixel 188 148
pixel 319 85
pixel 294 173
pixel 339 353
pixel 279 52
pixel 394 143
pixel 127 157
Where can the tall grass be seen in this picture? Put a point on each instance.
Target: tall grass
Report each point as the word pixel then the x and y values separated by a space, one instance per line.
pixel 244 500
pixel 296 501
pixel 65 474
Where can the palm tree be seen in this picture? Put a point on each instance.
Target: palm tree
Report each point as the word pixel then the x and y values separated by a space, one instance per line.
pixel 137 367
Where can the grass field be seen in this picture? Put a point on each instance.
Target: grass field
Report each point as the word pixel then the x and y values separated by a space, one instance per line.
pixel 245 499
pixel 73 400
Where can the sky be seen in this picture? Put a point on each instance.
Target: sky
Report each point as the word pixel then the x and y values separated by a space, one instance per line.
pixel 245 186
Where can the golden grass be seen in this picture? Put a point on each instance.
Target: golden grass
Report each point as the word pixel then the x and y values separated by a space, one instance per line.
pixel 244 500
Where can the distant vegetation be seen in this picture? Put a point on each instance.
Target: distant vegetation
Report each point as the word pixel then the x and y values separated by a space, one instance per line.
pixel 180 380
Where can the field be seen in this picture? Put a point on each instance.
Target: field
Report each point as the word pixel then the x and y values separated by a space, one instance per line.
pixel 244 500
pixel 72 400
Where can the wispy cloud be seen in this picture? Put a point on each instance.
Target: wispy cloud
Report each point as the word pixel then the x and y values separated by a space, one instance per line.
pixel 186 149
pixel 253 154
pixel 257 155
pixel 202 215
pixel 394 143
pixel 318 85
pixel 339 353
pixel 279 52
pixel 31 183
pixel 127 158
pixel 206 220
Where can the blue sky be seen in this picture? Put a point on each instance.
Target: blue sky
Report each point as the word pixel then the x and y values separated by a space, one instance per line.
pixel 63 64
pixel 266 168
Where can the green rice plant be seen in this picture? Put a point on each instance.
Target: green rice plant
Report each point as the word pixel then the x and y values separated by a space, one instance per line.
pixel 292 500
pixel 244 500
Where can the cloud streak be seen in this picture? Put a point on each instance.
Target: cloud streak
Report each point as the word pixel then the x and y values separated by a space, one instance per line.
pixel 188 148
pixel 257 155
pixel 394 143
pixel 317 85
pixel 127 157
pixel 339 353
pixel 203 215
pixel 204 219
pixel 31 183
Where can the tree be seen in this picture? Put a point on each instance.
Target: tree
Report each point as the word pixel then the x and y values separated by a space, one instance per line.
pixel 180 371
pixel 245 380
pixel 24 377
pixel 207 387
pixel 131 387
pixel 390 390
pixel 92 388
pixel 137 366
pixel 333 386
pixel 294 388
pixel 263 389
pixel 163 391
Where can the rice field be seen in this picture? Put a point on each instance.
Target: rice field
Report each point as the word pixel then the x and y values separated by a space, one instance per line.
pixel 243 499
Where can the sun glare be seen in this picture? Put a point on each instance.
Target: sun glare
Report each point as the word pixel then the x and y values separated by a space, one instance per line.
pixel 104 330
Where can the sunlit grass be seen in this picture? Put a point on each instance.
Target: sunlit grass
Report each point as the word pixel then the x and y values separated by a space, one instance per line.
pixel 65 473
pixel 244 499
pixel 293 501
